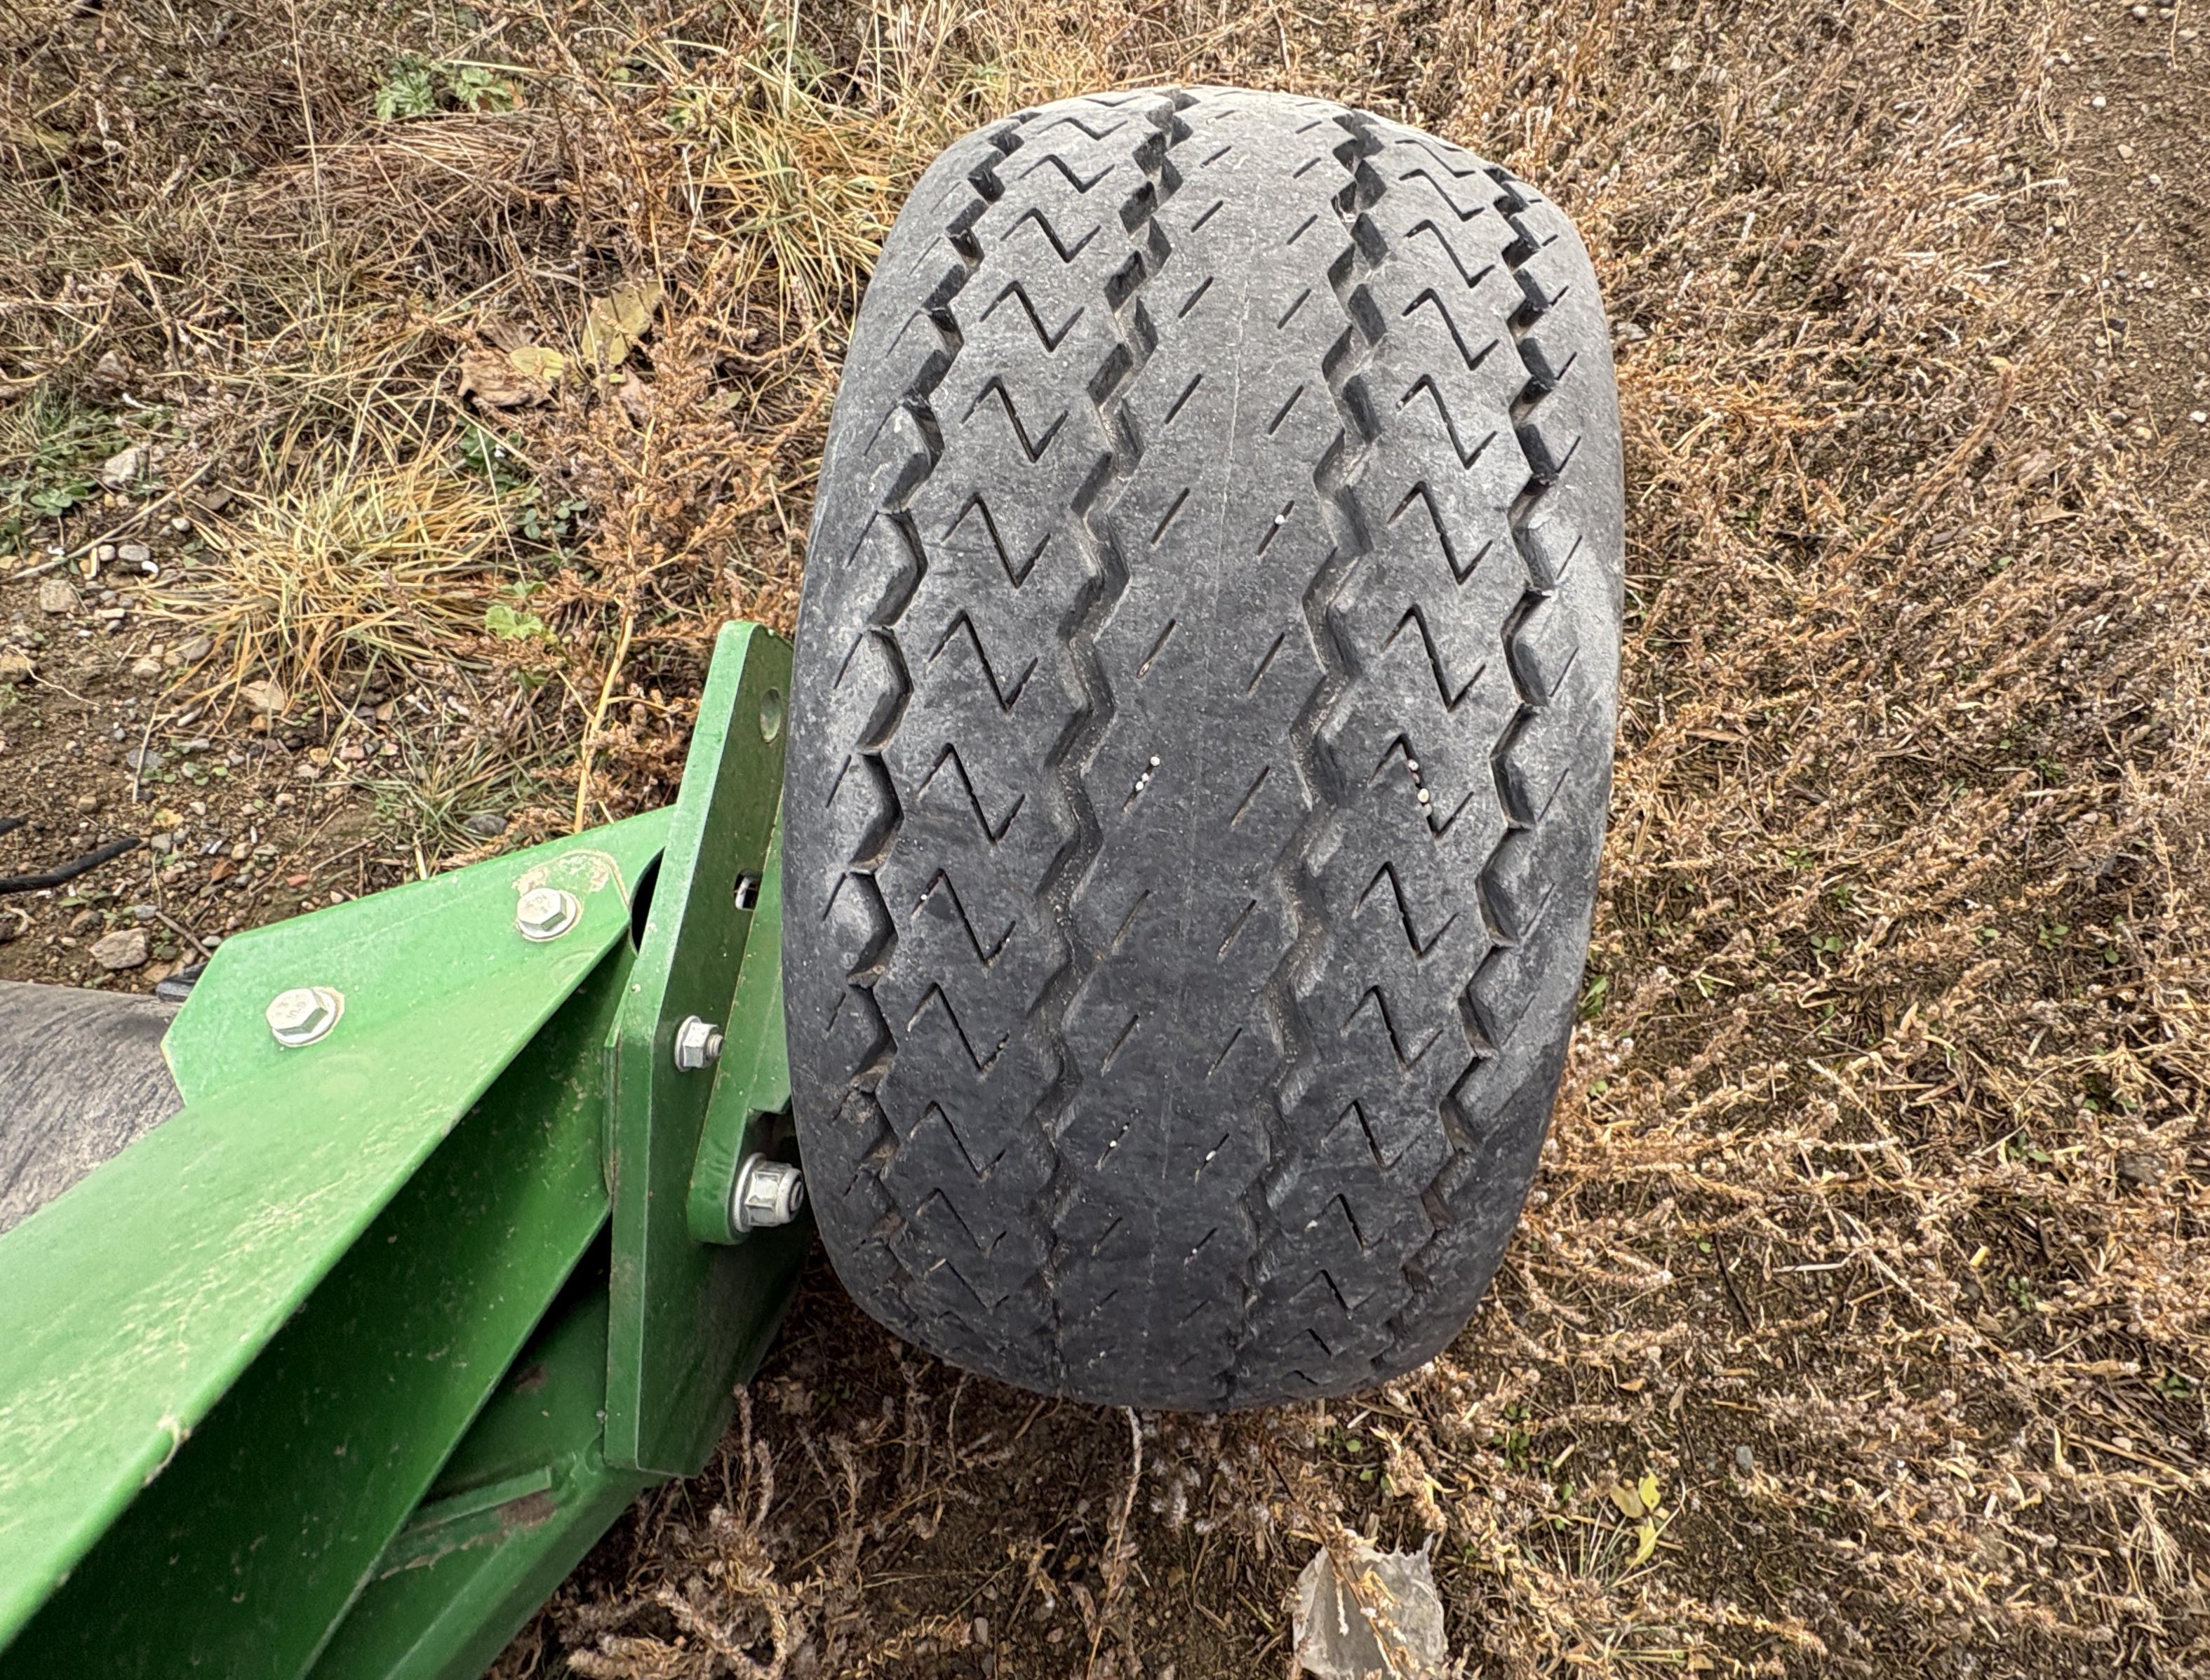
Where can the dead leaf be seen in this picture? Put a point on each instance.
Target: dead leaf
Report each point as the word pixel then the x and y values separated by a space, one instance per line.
pixel 612 324
pixel 1652 1495
pixel 264 696
pixel 1645 1545
pixel 1629 1501
pixel 509 378
pixel 534 361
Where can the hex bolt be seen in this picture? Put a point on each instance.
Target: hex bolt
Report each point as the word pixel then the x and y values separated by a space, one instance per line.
pixel 304 1014
pixel 547 912
pixel 768 1193
pixel 697 1044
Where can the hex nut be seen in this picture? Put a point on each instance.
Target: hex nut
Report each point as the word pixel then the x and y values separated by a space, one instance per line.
pixel 697 1044
pixel 768 1193
pixel 547 912
pixel 304 1013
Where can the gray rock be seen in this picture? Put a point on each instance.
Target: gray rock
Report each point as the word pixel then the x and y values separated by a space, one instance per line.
pixel 57 596
pixel 123 948
pixel 197 649
pixel 484 825
pixel 134 554
pixel 122 469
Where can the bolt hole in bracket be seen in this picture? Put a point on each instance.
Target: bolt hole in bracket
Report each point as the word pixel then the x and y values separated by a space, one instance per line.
pixel 694 1296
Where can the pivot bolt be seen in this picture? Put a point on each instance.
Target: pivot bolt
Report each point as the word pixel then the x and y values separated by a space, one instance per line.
pixel 697 1044
pixel 304 1014
pixel 768 1193
pixel 547 912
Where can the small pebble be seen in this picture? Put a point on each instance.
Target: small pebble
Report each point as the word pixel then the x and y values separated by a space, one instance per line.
pixel 2097 102
pixel 2199 417
pixel 1745 1458
pixel 123 948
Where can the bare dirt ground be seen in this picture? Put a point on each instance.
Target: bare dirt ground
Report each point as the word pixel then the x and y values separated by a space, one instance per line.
pixel 1873 1225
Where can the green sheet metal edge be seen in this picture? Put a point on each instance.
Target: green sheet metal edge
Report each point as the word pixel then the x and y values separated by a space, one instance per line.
pixel 392 947
pixel 675 1301
pixel 130 1304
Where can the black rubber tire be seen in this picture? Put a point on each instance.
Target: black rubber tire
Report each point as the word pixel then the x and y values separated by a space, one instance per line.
pixel 1202 737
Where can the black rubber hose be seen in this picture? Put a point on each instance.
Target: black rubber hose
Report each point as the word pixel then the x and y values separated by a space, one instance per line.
pixel 69 872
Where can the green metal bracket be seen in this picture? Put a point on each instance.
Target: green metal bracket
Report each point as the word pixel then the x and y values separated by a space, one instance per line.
pixel 688 1320
pixel 752 1081
pixel 132 1305
pixel 338 1370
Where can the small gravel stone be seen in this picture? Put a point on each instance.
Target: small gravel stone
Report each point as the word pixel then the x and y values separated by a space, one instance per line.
pixel 197 649
pixel 1744 1458
pixel 121 470
pixel 134 554
pixel 484 825
pixel 126 947
pixel 57 596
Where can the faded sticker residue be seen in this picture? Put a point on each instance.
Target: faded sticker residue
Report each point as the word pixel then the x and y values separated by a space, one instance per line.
pixel 580 871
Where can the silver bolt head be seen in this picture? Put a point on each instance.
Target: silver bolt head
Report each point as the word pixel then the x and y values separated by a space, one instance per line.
pixel 768 1192
pixel 547 912
pixel 304 1014
pixel 697 1044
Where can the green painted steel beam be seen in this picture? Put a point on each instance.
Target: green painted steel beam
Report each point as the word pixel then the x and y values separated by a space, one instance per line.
pixel 131 1305
pixel 688 1319
pixel 527 1494
pixel 242 1556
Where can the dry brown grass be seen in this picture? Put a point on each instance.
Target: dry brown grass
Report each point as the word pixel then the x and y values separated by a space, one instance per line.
pixel 1872 1221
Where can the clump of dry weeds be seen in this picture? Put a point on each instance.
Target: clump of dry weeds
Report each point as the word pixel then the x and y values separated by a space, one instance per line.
pixel 1872 1225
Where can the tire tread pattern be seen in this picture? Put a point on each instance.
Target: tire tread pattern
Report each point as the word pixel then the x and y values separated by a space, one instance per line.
pixel 1200 745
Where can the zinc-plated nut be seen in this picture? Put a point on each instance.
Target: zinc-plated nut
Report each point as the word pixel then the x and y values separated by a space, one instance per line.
pixel 547 912
pixel 768 1193
pixel 304 1014
pixel 697 1044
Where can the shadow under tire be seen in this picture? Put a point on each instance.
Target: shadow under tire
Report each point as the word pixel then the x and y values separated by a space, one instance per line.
pixel 1200 746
